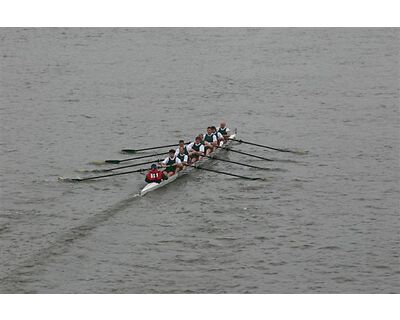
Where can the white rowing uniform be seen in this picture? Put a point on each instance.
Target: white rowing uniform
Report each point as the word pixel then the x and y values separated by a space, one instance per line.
pixel 199 146
pixel 223 131
pixel 186 151
pixel 210 138
pixel 219 135
pixel 183 157
pixel 170 161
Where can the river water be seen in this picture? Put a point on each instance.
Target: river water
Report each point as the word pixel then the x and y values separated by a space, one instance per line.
pixel 327 222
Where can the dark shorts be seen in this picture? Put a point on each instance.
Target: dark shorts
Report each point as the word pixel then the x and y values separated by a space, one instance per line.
pixel 156 181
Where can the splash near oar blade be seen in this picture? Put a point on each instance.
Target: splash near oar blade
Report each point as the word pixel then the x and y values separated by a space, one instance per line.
pixel 299 152
pixel 98 162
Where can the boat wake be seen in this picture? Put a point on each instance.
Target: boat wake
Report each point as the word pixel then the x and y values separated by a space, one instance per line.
pixel 13 280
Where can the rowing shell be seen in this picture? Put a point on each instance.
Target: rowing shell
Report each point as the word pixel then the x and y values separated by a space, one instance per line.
pixel 201 163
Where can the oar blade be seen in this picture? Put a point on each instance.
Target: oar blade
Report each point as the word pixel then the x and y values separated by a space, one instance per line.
pixel 294 151
pixel 131 151
pixel 66 179
pixel 113 161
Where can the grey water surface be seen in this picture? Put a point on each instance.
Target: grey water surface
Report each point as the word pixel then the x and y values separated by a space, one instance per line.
pixel 328 222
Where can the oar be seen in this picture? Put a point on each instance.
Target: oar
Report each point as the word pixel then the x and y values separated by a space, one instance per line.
pixel 246 154
pixel 129 159
pixel 228 174
pixel 267 147
pixel 239 163
pixel 123 167
pixel 103 176
pixel 151 148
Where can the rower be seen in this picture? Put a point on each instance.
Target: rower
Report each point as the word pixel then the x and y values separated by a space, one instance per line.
pixel 224 130
pixel 201 136
pixel 184 157
pixel 218 135
pixel 155 175
pixel 182 144
pixel 196 150
pixel 171 163
pixel 210 141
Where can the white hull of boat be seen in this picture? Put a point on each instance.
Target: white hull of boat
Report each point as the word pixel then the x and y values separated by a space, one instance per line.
pixel 154 186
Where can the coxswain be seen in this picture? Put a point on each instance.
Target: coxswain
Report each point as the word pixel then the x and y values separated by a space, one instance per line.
pixel 224 130
pixel 171 163
pixel 183 157
pixel 218 135
pixel 155 175
pixel 196 150
pixel 181 144
pixel 210 141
